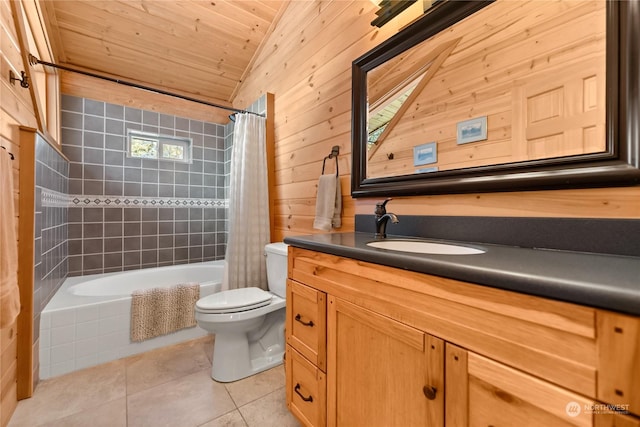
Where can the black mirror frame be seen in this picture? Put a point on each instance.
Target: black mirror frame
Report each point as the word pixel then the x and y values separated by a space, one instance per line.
pixel 618 166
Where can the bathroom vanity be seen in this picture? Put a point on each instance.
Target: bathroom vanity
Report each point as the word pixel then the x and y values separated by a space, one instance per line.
pixel 387 338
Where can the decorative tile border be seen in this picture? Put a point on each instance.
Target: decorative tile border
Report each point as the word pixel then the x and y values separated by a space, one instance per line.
pixel 51 198
pixel 137 202
pixel 54 198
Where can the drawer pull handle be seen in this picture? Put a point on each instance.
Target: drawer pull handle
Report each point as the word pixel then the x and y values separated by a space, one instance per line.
pixel 429 392
pixel 299 319
pixel 297 390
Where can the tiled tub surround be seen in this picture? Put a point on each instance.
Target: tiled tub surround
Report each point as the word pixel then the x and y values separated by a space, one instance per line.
pixel 228 143
pixel 258 107
pixel 50 220
pixel 113 239
pixel 106 239
pixel 81 331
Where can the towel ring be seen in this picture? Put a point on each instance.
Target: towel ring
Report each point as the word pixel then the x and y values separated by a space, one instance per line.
pixel 334 154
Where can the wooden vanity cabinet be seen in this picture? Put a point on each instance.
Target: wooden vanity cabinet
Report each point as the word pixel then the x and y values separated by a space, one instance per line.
pixel 398 348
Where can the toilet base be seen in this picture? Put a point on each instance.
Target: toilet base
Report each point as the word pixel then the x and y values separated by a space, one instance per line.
pixel 222 373
pixel 237 356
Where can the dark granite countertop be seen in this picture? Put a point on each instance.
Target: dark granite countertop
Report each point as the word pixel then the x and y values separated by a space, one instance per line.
pixel 605 281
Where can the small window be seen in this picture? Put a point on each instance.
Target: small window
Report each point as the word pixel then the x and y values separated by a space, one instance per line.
pixel 144 145
pixel 173 151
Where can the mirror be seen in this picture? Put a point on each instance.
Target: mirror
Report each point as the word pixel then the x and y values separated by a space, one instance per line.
pixel 500 96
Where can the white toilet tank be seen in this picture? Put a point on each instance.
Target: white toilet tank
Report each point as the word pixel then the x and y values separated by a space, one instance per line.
pixel 277 268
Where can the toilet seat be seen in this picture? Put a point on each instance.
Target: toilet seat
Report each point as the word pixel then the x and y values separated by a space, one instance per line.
pixel 234 301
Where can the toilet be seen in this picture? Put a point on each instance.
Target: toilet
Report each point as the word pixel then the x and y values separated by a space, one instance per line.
pixel 248 323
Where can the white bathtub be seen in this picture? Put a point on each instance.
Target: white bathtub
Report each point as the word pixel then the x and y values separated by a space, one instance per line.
pixel 87 322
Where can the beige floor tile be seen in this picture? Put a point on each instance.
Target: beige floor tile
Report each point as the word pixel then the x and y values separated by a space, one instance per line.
pixel 69 394
pixel 232 419
pixel 188 401
pixel 269 411
pixel 159 366
pixel 164 387
pixel 256 386
pixel 112 414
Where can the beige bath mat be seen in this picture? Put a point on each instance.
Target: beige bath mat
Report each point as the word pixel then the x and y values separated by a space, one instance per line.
pixel 160 311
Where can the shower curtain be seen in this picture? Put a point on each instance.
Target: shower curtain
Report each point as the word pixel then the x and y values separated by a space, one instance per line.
pixel 248 206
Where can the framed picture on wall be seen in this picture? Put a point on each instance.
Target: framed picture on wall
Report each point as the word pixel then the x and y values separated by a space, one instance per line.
pixel 472 130
pixel 425 154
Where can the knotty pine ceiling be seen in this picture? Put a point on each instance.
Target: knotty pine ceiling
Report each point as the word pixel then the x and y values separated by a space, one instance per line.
pixel 196 48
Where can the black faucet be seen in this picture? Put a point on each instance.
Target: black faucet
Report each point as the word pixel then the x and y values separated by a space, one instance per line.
pixel 382 217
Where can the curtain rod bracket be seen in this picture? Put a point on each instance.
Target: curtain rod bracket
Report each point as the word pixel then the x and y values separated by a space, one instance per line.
pixel 24 81
pixel 8 152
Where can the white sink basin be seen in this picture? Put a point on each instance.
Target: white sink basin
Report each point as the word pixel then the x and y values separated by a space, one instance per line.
pixel 421 247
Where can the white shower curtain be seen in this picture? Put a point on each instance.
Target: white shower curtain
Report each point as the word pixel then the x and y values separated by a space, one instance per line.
pixel 248 205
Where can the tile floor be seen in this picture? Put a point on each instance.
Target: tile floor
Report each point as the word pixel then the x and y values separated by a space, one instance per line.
pixel 166 387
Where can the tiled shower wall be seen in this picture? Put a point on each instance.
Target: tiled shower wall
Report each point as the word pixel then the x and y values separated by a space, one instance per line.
pixel 50 245
pixel 228 143
pixel 258 107
pixel 132 213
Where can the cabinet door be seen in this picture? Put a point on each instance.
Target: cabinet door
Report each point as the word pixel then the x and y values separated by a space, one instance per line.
pixel 381 372
pixel 483 392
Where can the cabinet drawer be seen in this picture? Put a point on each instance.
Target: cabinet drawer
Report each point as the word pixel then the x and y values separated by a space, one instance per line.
pixel 306 322
pixel 306 390
pixel 499 395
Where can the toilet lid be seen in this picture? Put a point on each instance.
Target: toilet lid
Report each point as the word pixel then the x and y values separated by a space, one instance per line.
pixel 234 300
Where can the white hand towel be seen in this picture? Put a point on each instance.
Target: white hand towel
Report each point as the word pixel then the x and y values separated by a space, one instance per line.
pixel 337 212
pixel 326 202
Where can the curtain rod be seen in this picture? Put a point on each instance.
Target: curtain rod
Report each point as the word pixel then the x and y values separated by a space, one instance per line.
pixel 34 61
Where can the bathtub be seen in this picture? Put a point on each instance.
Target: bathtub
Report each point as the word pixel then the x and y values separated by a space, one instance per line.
pixel 87 321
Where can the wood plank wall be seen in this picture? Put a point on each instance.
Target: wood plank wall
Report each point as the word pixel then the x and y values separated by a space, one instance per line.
pixel 16 109
pixel 101 90
pixel 308 68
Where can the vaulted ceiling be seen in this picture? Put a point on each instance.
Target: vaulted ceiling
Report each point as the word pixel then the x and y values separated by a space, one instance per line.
pixel 197 48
